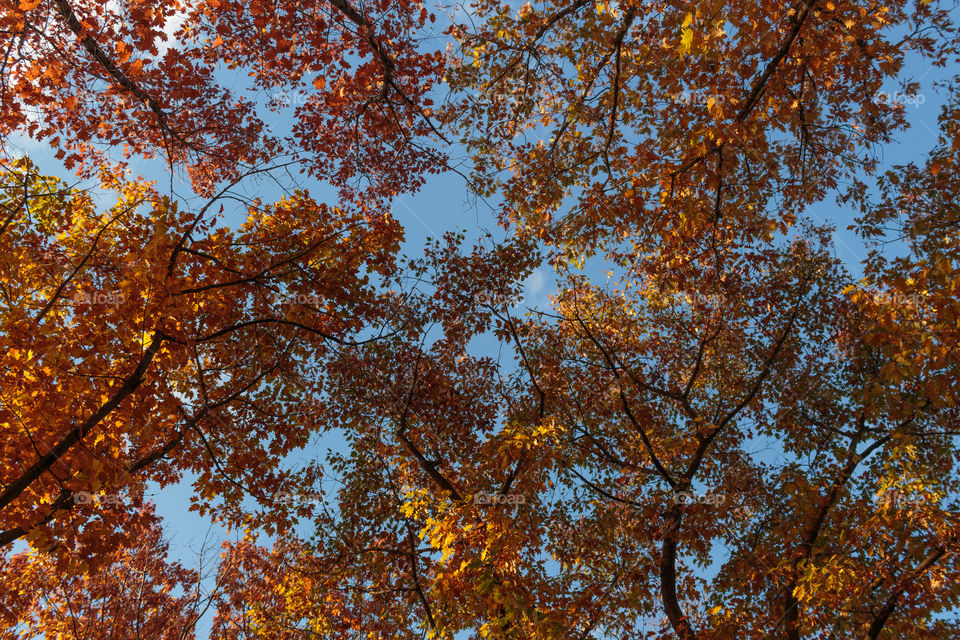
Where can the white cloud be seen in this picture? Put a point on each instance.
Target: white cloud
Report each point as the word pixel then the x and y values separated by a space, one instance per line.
pixel 535 293
pixel 170 27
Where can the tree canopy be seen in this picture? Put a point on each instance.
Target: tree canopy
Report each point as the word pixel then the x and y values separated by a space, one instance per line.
pixel 717 428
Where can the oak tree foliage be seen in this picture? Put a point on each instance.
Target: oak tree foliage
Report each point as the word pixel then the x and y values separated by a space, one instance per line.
pixel 715 427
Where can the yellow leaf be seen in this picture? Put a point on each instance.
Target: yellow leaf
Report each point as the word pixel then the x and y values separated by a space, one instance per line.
pixel 686 35
pixel 686 39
